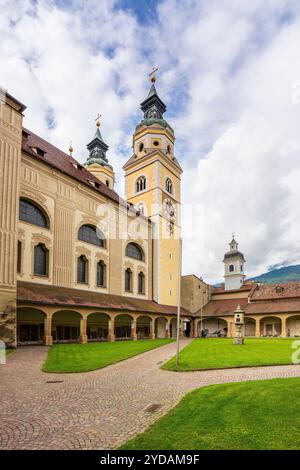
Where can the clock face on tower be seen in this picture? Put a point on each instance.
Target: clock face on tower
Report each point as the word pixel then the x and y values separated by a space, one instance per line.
pixel 169 209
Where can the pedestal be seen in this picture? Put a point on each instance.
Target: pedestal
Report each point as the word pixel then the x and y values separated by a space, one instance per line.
pixel 238 340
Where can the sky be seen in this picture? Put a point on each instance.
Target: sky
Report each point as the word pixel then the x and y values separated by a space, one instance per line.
pixel 229 73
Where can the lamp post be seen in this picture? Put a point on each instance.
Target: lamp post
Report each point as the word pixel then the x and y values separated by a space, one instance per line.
pixel 179 302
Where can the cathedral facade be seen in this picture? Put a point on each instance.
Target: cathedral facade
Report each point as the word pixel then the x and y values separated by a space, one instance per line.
pixel 77 262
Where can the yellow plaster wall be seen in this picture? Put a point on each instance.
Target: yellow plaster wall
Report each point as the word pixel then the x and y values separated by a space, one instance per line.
pixel 10 145
pixel 69 204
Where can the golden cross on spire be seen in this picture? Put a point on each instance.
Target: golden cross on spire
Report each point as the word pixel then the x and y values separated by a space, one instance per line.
pixel 152 75
pixel 98 123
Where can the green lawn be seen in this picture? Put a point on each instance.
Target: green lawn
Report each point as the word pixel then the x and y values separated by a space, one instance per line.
pixel 91 356
pixel 249 415
pixel 218 353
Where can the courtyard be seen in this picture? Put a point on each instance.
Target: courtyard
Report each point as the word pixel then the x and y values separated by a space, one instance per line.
pixel 105 408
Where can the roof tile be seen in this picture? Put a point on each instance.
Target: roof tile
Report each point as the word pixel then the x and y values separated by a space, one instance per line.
pixel 34 293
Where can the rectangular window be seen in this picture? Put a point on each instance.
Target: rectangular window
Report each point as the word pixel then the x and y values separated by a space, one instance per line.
pixel 82 264
pixel 101 272
pixel 141 283
pixel 40 260
pixel 128 280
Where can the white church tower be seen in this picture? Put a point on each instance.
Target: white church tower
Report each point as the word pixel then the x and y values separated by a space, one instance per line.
pixel 233 267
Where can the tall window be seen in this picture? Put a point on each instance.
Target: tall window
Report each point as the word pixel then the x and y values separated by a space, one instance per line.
pixel 140 184
pixel 169 186
pixel 134 251
pixel 82 269
pixel 90 234
pixel 30 212
pixel 40 260
pixel 141 283
pixel 128 280
pixel 101 274
pixel 231 268
pixel 19 257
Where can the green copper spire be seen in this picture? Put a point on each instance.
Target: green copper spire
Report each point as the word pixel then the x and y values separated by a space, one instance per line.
pixel 152 91
pixel 97 148
pixel 153 107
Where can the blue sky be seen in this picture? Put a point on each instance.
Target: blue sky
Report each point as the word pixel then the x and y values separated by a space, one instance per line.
pixel 145 10
pixel 229 73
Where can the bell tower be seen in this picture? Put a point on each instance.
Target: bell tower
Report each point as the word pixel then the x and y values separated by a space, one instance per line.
pixel 152 183
pixel 234 267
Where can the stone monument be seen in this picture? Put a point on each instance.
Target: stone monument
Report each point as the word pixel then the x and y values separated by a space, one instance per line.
pixel 238 326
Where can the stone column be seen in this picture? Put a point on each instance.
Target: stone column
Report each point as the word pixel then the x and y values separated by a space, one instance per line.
pixel 10 156
pixel 111 330
pixel 48 340
pixel 192 329
pixel 181 329
pixel 257 327
pixel 168 328
pixel 152 328
pixel 83 336
pixel 283 327
pixel 133 329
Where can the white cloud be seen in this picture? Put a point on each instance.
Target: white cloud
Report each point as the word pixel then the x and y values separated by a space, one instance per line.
pixel 227 70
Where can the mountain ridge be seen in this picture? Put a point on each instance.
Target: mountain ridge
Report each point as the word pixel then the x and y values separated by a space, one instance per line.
pixel 284 274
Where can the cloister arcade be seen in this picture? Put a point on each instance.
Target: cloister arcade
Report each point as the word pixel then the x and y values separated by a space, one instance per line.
pixel 280 325
pixel 49 325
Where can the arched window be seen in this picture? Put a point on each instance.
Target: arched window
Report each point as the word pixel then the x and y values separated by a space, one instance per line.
pixel 82 269
pixel 141 283
pixel 231 268
pixel 128 280
pixel 101 274
pixel 140 184
pixel 134 251
pixel 169 186
pixel 30 212
pixel 91 234
pixel 40 260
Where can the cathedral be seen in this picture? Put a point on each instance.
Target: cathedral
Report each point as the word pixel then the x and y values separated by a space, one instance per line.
pixel 78 263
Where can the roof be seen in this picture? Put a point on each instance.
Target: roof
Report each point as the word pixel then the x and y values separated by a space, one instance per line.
pixel 282 290
pixel 20 106
pixel 33 293
pixel 63 162
pixel 273 306
pixel 221 290
pixel 234 254
pixel 216 308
